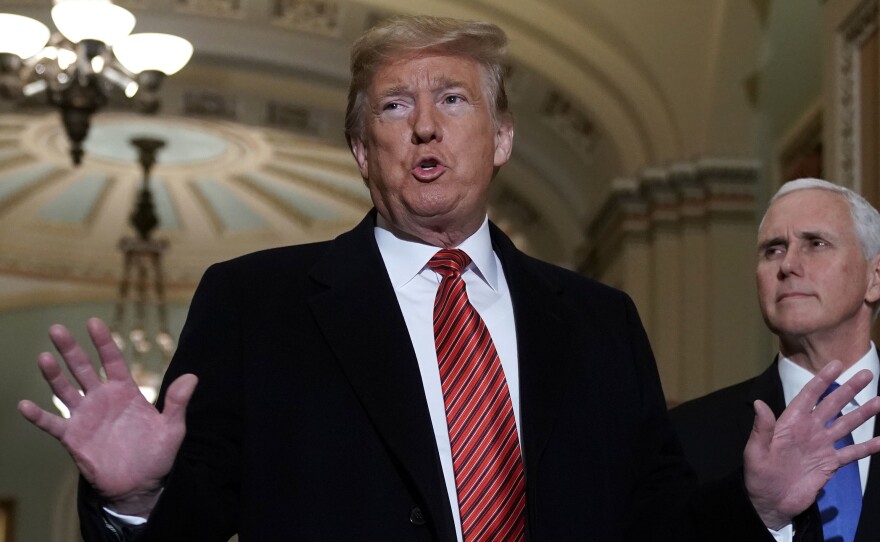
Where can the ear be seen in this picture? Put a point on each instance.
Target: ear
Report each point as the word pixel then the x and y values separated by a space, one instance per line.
pixel 359 150
pixel 872 295
pixel 503 142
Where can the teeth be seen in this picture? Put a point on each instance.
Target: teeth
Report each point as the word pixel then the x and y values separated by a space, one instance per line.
pixel 428 165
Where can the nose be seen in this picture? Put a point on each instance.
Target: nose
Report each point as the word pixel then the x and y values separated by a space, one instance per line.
pixel 791 263
pixel 425 123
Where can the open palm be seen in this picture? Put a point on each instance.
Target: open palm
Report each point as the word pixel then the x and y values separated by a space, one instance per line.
pixel 121 443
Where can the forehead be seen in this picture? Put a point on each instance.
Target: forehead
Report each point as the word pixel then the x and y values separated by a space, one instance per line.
pixel 428 70
pixel 810 209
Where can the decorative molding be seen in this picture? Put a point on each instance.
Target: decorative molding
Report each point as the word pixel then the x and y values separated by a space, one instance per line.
pixel 133 4
pixel 209 104
pixel 852 34
pixel 685 192
pixel 319 17
pixel 572 124
pixel 289 117
pixel 228 9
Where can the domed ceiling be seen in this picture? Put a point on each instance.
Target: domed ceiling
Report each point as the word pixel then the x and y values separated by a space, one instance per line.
pixel 220 189
pixel 255 155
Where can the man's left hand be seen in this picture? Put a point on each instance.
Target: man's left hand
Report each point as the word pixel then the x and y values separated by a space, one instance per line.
pixel 787 461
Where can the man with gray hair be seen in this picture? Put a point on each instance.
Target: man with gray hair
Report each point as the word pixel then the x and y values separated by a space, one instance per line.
pixel 417 378
pixel 818 277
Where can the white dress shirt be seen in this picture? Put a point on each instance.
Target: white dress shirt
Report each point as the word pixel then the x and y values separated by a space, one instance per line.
pixel 415 285
pixel 794 378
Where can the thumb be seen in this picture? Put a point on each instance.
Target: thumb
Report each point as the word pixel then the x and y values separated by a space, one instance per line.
pixel 177 397
pixel 763 426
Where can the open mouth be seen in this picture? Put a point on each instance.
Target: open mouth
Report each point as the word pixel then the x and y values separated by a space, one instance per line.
pixel 428 169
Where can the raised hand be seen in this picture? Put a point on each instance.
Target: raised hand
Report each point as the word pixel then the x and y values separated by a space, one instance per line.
pixel 787 461
pixel 120 443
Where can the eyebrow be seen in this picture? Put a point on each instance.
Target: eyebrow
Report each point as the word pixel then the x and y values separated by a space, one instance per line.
pixel 773 241
pixel 806 234
pixel 438 84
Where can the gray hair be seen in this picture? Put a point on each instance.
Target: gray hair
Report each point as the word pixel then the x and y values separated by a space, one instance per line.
pixel 397 37
pixel 865 218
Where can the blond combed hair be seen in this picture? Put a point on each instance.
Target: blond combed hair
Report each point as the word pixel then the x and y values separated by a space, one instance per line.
pixel 399 37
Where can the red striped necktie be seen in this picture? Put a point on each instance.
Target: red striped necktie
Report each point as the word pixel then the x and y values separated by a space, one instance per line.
pixel 489 475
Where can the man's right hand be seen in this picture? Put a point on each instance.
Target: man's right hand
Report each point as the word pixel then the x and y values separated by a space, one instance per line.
pixel 123 446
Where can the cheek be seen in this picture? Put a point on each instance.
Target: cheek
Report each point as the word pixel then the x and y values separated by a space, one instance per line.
pixel 764 280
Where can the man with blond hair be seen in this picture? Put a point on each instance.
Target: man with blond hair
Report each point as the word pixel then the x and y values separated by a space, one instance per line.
pixel 417 378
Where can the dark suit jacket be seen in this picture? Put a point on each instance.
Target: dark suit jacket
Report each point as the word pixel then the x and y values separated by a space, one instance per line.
pixel 714 429
pixel 310 420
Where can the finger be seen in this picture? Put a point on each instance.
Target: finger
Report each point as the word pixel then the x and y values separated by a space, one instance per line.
pixel 58 381
pixel 854 452
pixel 177 397
pixel 831 405
pixel 806 400
pixel 75 357
pixel 114 364
pixel 763 426
pixel 50 423
pixel 846 423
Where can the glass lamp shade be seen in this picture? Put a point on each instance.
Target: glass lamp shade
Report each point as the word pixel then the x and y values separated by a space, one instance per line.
pixel 22 36
pixel 99 20
pixel 161 52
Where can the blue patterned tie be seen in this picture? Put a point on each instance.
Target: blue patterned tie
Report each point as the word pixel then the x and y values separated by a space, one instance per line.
pixel 840 501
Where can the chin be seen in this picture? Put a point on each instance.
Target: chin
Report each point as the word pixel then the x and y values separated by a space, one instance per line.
pixel 794 328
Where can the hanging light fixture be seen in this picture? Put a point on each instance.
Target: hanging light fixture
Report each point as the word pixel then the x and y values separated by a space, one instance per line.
pixel 140 317
pixel 92 58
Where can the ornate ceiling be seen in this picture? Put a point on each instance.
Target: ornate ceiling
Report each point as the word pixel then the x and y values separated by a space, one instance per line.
pixel 601 89
pixel 220 189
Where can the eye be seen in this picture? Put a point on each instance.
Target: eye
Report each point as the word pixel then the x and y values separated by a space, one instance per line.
pixel 453 99
pixel 391 106
pixel 774 251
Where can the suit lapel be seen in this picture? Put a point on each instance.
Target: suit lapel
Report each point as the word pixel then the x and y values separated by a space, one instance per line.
pixel 361 319
pixel 869 521
pixel 541 331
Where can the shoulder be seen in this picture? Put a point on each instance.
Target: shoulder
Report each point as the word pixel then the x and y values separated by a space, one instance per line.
pixel 572 284
pixel 285 258
pixel 713 429
pixel 262 274
pixel 706 409
pixel 289 262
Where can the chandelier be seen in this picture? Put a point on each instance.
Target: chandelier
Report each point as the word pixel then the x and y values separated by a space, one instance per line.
pixel 140 317
pixel 92 58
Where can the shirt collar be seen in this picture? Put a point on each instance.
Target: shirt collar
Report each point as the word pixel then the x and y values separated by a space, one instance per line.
pixel 404 259
pixel 794 377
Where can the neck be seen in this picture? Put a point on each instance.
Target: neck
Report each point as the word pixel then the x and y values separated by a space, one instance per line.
pixel 445 237
pixel 813 354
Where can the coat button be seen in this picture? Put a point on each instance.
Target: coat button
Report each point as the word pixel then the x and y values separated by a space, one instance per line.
pixel 416 517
